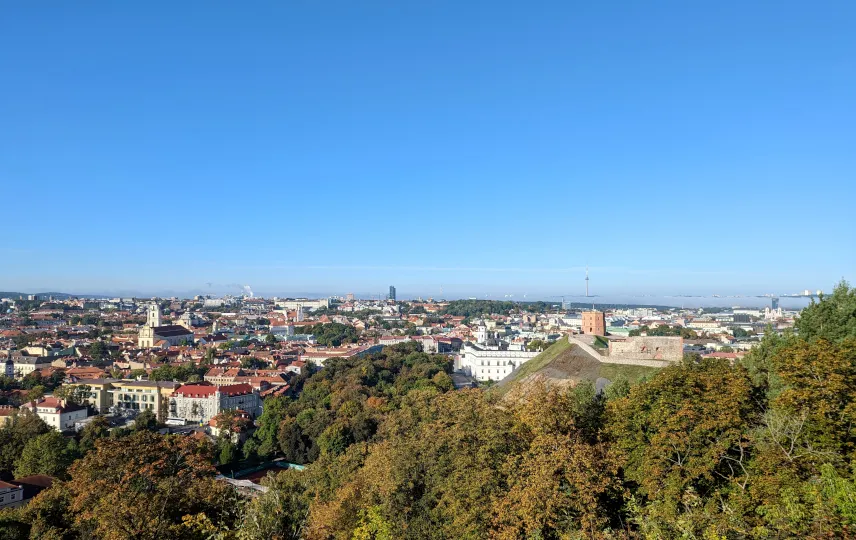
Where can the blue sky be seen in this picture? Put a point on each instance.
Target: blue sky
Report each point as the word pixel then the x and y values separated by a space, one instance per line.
pixel 483 147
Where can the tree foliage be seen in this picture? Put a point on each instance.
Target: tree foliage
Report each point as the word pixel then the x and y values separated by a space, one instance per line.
pixel 333 334
pixel 832 318
pixel 145 486
pixel 48 454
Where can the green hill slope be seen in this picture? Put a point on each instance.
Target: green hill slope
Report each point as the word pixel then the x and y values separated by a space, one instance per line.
pixel 567 364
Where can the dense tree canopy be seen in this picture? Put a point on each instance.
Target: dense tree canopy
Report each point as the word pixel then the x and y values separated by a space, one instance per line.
pixel 832 318
pixel 145 486
pixel 343 403
pixel 333 334
pixel 478 308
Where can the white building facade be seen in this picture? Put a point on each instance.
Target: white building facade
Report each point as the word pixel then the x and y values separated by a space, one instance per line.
pixel 57 413
pixel 10 495
pixel 202 402
pixel 490 365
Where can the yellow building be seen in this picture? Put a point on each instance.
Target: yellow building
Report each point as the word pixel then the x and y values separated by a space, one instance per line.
pixel 118 395
pixel 143 395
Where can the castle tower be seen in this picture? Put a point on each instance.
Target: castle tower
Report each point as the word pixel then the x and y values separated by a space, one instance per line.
pixel 594 323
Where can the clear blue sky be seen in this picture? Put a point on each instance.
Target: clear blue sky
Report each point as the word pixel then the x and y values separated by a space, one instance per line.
pixel 486 147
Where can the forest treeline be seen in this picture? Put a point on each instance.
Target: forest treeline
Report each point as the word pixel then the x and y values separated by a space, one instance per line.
pixel 704 449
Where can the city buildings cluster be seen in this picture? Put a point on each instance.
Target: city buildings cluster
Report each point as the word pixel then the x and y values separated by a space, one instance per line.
pixel 185 361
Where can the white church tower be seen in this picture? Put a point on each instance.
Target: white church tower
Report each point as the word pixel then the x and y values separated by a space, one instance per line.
pixel 481 334
pixel 153 317
pixel 147 332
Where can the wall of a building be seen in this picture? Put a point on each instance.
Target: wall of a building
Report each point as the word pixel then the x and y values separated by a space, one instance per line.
pixel 669 349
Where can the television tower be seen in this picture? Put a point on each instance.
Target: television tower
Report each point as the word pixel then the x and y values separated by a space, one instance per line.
pixel 587 281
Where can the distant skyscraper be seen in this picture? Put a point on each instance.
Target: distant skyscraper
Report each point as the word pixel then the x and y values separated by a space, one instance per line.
pixel 775 303
pixel 392 293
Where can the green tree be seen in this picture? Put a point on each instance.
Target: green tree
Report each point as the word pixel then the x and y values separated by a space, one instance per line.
pixel 97 428
pixel 147 421
pixel 227 452
pixel 275 411
pixel 77 394
pixel 98 350
pixel 46 454
pixel 145 486
pixel 833 317
pixel 281 511
pixel 334 440
pixel 819 380
pixel 36 393
pixel 14 435
pixel 683 437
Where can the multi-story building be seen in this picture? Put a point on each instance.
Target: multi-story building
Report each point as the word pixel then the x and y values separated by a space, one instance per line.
pixel 100 397
pixel 221 376
pixel 128 396
pixel 24 365
pixel 485 364
pixel 10 495
pixel 202 402
pixel 290 304
pixel 57 413
pixel 320 355
pixel 7 414
pixel 707 325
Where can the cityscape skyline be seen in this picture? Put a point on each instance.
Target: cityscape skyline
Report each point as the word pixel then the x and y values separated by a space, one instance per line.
pixel 234 289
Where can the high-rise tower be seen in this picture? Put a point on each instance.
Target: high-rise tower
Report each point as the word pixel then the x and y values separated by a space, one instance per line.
pixel 587 281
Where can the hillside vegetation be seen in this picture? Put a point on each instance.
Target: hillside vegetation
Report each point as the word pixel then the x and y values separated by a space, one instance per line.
pixel 565 364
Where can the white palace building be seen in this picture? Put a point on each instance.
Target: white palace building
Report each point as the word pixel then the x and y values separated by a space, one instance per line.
pixel 490 359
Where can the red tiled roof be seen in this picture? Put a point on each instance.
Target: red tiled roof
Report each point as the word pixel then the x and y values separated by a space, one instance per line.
pixel 195 390
pixel 235 389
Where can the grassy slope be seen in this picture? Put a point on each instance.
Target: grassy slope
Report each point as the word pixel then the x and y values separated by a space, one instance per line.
pixel 539 362
pixel 562 355
pixel 631 373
